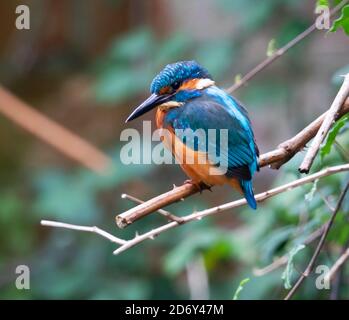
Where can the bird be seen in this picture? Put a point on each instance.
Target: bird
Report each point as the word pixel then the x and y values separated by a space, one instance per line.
pixel 187 98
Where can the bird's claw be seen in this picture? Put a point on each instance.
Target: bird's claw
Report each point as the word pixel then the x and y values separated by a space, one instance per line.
pixel 199 185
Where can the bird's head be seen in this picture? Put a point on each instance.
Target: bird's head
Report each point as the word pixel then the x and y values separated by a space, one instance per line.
pixel 175 84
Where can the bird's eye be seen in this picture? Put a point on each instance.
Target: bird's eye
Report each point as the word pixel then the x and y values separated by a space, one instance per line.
pixel 175 85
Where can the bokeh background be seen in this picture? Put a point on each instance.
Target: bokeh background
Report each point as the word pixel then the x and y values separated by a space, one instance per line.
pixel 85 64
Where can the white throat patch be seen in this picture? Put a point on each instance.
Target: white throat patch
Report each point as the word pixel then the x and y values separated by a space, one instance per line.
pixel 204 83
pixel 169 105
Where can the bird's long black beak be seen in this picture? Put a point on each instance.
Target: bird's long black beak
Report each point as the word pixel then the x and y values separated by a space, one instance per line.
pixel 149 104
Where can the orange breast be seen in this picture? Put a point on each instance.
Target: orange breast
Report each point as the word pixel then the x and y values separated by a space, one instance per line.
pixel 194 163
pixel 159 118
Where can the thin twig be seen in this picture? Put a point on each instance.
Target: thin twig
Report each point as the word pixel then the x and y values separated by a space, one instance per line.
pixel 278 53
pixel 311 264
pixel 93 229
pixel 337 265
pixel 325 126
pixel 289 148
pixel 275 158
pixel 277 263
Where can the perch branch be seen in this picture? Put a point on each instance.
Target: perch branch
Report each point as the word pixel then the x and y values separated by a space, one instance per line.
pixel 234 204
pixel 311 264
pixel 163 212
pixel 275 158
pixel 325 126
pixel 280 52
pixel 52 133
pixel 127 244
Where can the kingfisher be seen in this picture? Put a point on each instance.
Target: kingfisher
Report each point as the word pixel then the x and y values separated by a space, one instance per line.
pixel 187 98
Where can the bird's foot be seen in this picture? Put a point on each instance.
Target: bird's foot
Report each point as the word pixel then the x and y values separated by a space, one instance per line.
pixel 201 186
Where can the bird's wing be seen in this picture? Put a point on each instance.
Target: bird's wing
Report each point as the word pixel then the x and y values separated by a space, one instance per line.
pixel 203 113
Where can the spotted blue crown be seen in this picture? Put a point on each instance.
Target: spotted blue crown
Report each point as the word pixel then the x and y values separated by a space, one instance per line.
pixel 179 71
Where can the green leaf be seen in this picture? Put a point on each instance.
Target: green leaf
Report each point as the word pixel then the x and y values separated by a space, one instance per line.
pixel 322 3
pixel 271 49
pixel 240 287
pixel 342 21
pixel 326 149
pixel 287 274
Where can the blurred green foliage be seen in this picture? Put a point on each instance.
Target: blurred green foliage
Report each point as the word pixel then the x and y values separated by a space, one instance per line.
pixel 132 60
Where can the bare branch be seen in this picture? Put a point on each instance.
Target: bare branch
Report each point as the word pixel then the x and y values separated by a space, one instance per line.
pixel 127 244
pixel 278 263
pixel 311 264
pixel 93 229
pixel 275 158
pixel 280 52
pixel 163 212
pixel 331 115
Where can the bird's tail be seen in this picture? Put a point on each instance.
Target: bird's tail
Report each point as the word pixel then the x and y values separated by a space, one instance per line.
pixel 246 186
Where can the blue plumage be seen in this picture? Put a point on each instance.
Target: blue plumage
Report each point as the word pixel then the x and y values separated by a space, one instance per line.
pixel 190 100
pixel 214 109
pixel 246 186
pixel 178 71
